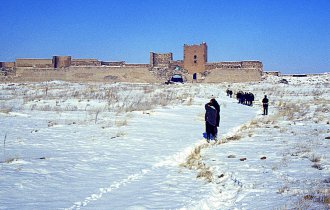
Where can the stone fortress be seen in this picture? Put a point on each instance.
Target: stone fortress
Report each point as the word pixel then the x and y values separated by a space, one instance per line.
pixel 161 68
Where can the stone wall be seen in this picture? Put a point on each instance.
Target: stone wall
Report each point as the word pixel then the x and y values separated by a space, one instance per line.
pixel 36 63
pixel 85 62
pixel 252 64
pixel 160 59
pixel 195 57
pixel 177 63
pixel 112 63
pixel 235 65
pixel 87 74
pixel 233 75
pixel 136 65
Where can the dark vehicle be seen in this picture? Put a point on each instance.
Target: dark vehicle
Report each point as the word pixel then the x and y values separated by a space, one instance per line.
pixel 177 78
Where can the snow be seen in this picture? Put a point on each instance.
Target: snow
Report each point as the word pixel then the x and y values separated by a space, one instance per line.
pixel 140 146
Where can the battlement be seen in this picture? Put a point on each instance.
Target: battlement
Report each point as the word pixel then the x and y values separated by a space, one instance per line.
pixel 113 63
pixel 195 45
pixel 234 65
pixel 85 62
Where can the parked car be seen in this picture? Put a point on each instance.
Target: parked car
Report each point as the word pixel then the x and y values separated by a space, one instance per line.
pixel 177 78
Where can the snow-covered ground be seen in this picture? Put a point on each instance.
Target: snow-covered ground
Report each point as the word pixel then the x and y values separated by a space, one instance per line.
pixel 140 146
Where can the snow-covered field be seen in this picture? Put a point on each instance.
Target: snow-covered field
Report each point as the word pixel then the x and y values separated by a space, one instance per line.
pixel 140 146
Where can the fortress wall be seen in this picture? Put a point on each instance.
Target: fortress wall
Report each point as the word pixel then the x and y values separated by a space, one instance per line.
pixel 87 74
pixel 233 75
pixel 7 64
pixel 177 63
pixel 235 65
pixel 136 65
pixel 230 65
pixel 112 63
pixel 252 64
pixel 37 63
pixel 39 74
pixel 85 62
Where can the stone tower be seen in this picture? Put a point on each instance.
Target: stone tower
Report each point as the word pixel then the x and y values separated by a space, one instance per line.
pixel 195 58
pixel 160 59
pixel 61 61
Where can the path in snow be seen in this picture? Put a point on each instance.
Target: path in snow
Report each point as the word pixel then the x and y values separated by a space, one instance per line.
pixel 85 167
pixel 164 184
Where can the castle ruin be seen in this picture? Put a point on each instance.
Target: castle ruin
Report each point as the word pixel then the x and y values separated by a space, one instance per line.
pixel 161 67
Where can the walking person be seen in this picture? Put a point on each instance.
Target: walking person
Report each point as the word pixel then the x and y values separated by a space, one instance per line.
pixel 265 105
pixel 210 121
pixel 230 93
pixel 216 105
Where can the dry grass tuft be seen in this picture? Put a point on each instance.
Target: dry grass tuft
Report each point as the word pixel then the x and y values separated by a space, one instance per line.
pixel 6 110
pixel 206 174
pixel 315 159
pixel 11 160
pixel 193 161
pixel 235 137
pixel 120 123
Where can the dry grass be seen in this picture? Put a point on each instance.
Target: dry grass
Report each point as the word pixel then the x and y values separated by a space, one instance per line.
pixel 120 123
pixel 320 196
pixel 6 110
pixel 235 137
pixel 11 160
pixel 193 161
pixel 315 158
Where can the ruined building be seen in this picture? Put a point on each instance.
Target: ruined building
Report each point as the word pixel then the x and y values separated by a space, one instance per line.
pixel 161 66
pixel 195 60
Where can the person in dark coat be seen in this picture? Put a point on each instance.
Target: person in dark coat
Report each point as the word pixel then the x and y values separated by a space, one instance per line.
pixel 252 99
pixel 230 93
pixel 265 105
pixel 216 105
pixel 210 121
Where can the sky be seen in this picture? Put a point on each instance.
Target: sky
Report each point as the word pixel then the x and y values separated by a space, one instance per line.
pixel 287 36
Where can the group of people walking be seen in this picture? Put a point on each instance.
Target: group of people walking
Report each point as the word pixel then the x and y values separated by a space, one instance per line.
pixel 212 112
pixel 245 98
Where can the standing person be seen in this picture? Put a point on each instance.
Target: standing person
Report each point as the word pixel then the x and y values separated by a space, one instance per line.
pixel 195 77
pixel 252 99
pixel 210 120
pixel 216 105
pixel 265 105
pixel 230 93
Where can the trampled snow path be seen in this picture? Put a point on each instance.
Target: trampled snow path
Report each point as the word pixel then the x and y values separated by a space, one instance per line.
pixel 164 181
pixel 87 166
